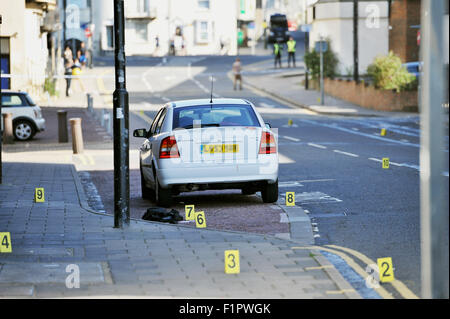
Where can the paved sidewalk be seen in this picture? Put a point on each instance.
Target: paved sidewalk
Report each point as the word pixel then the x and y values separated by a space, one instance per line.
pixel 286 84
pixel 147 259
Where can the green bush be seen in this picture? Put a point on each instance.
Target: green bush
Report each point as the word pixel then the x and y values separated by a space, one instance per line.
pixel 50 86
pixel 388 73
pixel 330 62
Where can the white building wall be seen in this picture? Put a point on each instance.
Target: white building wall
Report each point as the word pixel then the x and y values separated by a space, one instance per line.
pixel 28 46
pixel 170 14
pixel 334 20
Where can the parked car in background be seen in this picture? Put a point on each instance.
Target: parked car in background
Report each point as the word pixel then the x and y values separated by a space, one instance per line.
pixel 414 68
pixel 198 145
pixel 26 115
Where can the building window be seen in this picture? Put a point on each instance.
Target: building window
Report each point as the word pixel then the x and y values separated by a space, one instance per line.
pixel 110 36
pixel 204 4
pixel 203 31
pixel 5 63
pixel 142 6
pixel 258 4
pixel 141 31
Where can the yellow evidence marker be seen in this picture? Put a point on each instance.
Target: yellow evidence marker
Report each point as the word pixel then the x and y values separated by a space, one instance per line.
pixel 232 262
pixel 190 211
pixel 386 269
pixel 290 122
pixel 383 132
pixel 290 198
pixel 200 220
pixel 385 162
pixel 5 243
pixel 39 195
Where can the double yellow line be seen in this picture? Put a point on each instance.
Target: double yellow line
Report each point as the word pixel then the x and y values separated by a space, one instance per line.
pixel 344 253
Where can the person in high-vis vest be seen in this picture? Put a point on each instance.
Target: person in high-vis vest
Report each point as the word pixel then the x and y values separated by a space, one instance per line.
pixel 291 51
pixel 277 48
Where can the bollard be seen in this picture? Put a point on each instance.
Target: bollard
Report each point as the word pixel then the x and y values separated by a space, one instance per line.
pixel 8 137
pixel 63 135
pixel 108 122
pixel 90 101
pixel 77 136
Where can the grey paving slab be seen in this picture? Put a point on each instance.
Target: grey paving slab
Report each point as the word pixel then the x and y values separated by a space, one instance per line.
pixel 145 259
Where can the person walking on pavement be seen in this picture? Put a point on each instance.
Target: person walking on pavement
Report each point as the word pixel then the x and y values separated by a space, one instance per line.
pixel 68 73
pixel 237 69
pixel 291 51
pixel 277 52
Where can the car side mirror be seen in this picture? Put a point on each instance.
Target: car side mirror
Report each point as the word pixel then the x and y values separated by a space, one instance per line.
pixel 268 126
pixel 140 132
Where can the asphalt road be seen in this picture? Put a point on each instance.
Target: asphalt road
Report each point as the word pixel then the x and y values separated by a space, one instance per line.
pixel 332 163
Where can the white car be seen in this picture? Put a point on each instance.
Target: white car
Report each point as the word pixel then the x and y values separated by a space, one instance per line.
pixel 26 115
pixel 201 144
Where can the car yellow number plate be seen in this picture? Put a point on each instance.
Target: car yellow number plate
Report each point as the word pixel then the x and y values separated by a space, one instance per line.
pixel 219 148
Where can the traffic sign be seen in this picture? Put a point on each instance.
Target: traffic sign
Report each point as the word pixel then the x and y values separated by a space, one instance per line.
pixel 321 46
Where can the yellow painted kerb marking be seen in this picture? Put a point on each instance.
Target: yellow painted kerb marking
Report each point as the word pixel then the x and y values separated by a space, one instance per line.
pixel 397 284
pixel 320 267
pixel 336 292
pixel 380 290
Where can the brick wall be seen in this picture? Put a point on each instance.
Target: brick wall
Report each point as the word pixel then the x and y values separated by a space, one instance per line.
pixel 403 38
pixel 371 98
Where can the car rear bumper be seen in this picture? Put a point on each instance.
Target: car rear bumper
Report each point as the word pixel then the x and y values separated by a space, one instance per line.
pixel 222 173
pixel 40 124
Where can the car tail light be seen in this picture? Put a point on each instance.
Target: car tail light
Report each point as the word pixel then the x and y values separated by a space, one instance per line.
pixel 169 148
pixel 267 145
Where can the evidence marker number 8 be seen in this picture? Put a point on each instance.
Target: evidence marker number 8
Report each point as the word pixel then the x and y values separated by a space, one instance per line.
pixel 290 198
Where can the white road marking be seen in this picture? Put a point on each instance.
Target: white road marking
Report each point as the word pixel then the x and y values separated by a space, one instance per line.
pixel 317 145
pixel 289 184
pixel 292 138
pixel 376 136
pixel 315 198
pixel 375 159
pixel 316 180
pixel 345 153
pixel 270 106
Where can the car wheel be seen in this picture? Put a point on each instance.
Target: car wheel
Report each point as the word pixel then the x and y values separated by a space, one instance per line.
pixel 163 195
pixel 147 192
pixel 247 191
pixel 23 130
pixel 269 193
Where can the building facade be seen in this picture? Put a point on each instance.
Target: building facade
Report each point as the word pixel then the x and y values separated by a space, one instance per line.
pixel 333 20
pixel 24 44
pixel 160 27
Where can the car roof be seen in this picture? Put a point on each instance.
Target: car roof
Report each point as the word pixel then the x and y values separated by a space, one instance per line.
pixel 12 92
pixel 184 103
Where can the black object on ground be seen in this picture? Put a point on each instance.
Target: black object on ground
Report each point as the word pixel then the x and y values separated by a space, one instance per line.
pixel 159 214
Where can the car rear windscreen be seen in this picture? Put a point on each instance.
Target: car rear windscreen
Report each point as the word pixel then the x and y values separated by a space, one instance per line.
pixel 214 115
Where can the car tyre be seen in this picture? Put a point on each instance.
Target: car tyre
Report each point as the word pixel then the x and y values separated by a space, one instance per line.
pixel 147 192
pixel 163 195
pixel 269 193
pixel 23 130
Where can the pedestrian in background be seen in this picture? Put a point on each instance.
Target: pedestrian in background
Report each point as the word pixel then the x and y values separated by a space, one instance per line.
pixel 81 54
pixel 237 69
pixel 277 48
pixel 291 51
pixel 68 57
pixel 68 72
